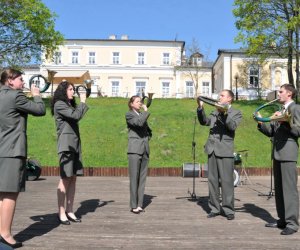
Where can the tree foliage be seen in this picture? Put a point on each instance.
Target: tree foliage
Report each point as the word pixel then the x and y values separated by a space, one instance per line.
pixel 270 27
pixel 27 29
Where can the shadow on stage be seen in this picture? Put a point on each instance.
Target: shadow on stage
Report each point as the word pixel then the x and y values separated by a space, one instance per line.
pixel 45 223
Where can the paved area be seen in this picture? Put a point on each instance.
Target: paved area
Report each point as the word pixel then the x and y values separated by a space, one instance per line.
pixel 172 220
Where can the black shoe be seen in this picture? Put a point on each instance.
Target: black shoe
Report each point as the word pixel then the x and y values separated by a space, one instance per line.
pixel 287 231
pixel 230 217
pixel 212 215
pixel 135 211
pixel 16 245
pixel 275 225
pixel 77 220
pixel 63 222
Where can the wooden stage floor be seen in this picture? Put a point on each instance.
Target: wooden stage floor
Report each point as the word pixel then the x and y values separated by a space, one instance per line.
pixel 171 219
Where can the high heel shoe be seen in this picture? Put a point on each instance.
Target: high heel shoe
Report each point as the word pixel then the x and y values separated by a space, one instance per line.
pixel 16 245
pixel 77 220
pixel 63 222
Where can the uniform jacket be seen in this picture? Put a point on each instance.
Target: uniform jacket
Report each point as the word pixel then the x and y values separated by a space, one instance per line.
pixel 285 136
pixel 222 131
pixel 14 110
pixel 67 118
pixel 139 132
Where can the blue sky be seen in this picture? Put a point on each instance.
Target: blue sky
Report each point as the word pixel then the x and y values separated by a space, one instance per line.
pixel 209 22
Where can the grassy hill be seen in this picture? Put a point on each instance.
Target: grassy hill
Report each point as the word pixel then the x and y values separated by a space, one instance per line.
pixel 104 134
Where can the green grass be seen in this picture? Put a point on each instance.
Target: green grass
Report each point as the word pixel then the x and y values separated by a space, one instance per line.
pixel 104 134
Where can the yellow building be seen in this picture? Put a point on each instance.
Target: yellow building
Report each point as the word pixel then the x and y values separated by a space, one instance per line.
pixel 123 67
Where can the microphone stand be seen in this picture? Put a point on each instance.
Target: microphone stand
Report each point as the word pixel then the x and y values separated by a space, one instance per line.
pixel 271 193
pixel 193 194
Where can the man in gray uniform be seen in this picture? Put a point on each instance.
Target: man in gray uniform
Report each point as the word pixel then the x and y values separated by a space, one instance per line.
pixel 219 148
pixel 285 155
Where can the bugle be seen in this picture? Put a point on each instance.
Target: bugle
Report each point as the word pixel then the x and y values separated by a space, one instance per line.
pixel 39 81
pixel 149 98
pixel 86 87
pixel 222 107
pixel 284 117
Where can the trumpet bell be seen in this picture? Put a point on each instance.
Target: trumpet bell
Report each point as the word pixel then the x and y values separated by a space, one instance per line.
pixel 86 87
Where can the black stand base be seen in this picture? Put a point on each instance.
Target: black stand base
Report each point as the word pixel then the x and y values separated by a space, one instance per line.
pixel 269 195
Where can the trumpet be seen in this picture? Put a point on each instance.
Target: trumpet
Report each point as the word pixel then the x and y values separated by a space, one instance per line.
pixel 42 82
pixel 222 107
pixel 284 117
pixel 39 81
pixel 149 98
pixel 87 87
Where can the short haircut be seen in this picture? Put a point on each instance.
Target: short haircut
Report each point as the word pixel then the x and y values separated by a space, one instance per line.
pixel 291 88
pixel 230 93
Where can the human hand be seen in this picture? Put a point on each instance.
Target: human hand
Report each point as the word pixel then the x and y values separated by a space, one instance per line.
pixel 144 107
pixel 35 91
pixel 82 97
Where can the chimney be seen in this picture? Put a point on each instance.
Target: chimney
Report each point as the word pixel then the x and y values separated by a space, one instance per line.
pixel 112 37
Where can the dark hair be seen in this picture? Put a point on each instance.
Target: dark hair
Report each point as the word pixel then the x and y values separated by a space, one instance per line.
pixel 290 87
pixel 60 94
pixel 131 100
pixel 230 93
pixel 9 73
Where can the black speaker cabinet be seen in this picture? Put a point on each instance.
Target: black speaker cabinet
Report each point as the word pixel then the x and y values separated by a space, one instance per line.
pixel 188 169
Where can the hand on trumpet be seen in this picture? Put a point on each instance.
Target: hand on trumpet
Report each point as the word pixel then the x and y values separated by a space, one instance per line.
pixel 257 115
pixel 35 91
pixel 200 103
pixel 144 107
pixel 82 96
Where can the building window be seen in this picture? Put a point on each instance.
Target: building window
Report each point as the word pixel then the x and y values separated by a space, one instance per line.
pixel 92 57
pixel 165 89
pixel 115 87
pixel 57 57
pixel 166 58
pixel 189 89
pixel 75 57
pixel 141 58
pixel 253 76
pixel 205 88
pixel 116 58
pixel 140 87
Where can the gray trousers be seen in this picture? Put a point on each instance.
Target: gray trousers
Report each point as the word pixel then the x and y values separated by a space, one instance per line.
pixel 138 168
pixel 286 193
pixel 220 175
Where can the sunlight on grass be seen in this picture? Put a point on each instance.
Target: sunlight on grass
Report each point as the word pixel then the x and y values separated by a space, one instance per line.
pixel 104 134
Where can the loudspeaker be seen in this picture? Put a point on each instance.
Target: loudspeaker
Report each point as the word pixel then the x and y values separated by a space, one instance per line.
pixel 188 169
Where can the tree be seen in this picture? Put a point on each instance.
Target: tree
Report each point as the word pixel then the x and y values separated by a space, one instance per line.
pixel 270 27
pixel 26 32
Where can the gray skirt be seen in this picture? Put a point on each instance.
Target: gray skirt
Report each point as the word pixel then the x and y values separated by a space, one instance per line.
pixel 12 174
pixel 70 164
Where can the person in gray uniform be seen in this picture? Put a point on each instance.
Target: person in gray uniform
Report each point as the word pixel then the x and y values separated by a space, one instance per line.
pixel 285 136
pixel 67 115
pixel 219 148
pixel 14 110
pixel 138 151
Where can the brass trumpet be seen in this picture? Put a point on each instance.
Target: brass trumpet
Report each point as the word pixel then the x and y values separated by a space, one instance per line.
pixel 284 117
pixel 222 107
pixel 149 98
pixel 87 87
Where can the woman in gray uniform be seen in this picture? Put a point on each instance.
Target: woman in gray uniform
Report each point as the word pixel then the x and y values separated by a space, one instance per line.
pixel 14 109
pixel 67 115
pixel 138 151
